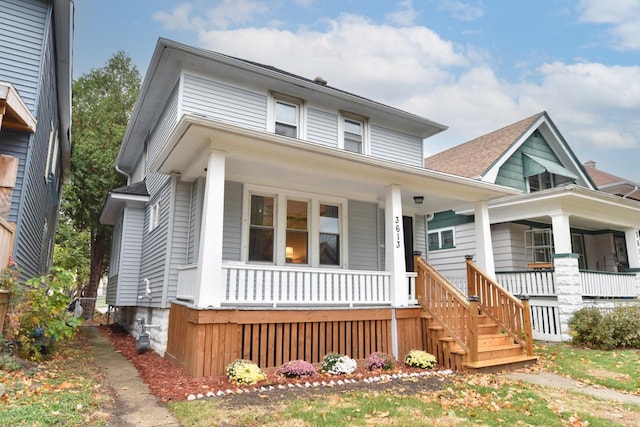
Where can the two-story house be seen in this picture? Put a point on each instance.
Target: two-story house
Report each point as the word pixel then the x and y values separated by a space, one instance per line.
pixel 271 217
pixel 35 119
pixel 569 239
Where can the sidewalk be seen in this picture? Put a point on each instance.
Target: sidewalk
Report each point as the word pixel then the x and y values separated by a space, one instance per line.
pixel 135 405
pixel 551 380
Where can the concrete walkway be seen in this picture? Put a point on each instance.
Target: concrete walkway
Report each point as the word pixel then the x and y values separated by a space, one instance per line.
pixel 135 405
pixel 551 380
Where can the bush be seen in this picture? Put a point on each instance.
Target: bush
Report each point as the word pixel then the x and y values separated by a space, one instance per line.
pixel 379 360
pixel 297 369
pixel 37 316
pixel 420 359
pixel 337 364
pixel 618 328
pixel 244 372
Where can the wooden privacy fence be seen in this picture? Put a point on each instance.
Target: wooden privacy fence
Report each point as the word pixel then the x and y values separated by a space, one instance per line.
pixel 511 315
pixel 7 234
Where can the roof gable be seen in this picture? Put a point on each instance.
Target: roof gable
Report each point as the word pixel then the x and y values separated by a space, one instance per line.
pixel 483 157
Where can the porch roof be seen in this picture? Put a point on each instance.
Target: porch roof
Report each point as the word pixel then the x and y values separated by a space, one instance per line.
pixel 14 113
pixel 268 159
pixel 134 195
pixel 588 209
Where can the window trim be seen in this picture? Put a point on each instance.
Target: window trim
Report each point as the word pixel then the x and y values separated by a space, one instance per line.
pixel 439 232
pixel 280 197
pixel 274 98
pixel 364 122
pixel 154 216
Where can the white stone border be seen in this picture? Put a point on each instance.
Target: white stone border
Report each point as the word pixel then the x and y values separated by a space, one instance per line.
pixel 369 380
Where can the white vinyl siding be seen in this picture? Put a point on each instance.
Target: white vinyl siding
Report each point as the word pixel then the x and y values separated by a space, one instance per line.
pixel 163 127
pixel 231 237
pixel 127 272
pixel 226 103
pixel 396 146
pixel 322 127
pixel 180 221
pixel 508 246
pixel 451 262
pixel 363 235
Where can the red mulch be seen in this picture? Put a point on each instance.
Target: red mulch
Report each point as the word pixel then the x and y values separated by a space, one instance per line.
pixel 171 383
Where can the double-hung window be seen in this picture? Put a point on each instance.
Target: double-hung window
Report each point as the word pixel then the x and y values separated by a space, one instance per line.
pixel 353 133
pixel 297 240
pixel 329 234
pixel 287 117
pixel 261 228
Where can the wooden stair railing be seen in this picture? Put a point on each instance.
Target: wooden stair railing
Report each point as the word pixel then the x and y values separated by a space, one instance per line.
pixel 444 303
pixel 510 314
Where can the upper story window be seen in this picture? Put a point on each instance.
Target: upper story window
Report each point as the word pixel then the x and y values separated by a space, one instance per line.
pixel 287 118
pixel 546 180
pixel 354 131
pixel 154 216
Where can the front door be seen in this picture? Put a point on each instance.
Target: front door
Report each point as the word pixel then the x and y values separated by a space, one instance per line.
pixel 407 224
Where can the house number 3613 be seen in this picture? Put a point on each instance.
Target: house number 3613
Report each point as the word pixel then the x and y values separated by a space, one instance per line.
pixel 398 228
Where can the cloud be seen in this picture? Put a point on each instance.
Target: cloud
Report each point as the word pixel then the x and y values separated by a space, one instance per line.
pixel 222 16
pixel 462 10
pixel 621 16
pixel 405 16
pixel 178 19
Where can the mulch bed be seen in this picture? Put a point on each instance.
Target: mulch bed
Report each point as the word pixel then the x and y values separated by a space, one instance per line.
pixel 171 383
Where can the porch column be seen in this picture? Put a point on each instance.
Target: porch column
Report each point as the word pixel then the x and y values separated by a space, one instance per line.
pixel 561 233
pixel 632 237
pixel 210 287
pixel 484 246
pixel 568 289
pixel 394 247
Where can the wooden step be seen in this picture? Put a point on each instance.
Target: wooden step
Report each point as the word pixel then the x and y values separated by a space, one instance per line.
pixel 500 351
pixel 488 329
pixel 494 339
pixel 501 364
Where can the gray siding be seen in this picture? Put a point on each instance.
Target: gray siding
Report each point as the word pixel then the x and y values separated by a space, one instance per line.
pixel 363 235
pixel 130 257
pixel 232 231
pixel 226 103
pixel 23 34
pixel 508 246
pixel 511 173
pixel 163 127
pixel 39 199
pixel 420 235
pixel 451 262
pixel 396 146
pixel 322 127
pixel 179 236
pixel 154 249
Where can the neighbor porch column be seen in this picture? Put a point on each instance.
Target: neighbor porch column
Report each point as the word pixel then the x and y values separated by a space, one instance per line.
pixel 484 247
pixel 632 237
pixel 209 281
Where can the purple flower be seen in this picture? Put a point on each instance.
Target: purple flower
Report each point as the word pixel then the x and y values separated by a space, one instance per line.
pixel 379 360
pixel 297 369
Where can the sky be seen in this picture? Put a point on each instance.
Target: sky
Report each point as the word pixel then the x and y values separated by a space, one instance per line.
pixel 472 65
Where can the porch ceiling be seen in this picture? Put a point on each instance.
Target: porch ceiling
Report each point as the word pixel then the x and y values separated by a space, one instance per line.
pixel 588 209
pixel 267 159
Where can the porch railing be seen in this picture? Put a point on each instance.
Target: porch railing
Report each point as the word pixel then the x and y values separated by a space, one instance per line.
pixel 608 285
pixel 187 282
pixel 512 315
pixel 444 302
pixel 530 282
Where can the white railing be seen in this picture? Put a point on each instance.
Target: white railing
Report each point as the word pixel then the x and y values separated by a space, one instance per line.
pixel 187 282
pixel 608 285
pixel 530 282
pixel 274 286
pixel 411 279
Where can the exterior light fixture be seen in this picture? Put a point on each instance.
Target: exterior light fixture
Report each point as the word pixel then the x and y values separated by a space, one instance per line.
pixel 418 199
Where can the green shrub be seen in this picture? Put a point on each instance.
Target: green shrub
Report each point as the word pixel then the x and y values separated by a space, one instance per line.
pixel 244 372
pixel 616 329
pixel 420 359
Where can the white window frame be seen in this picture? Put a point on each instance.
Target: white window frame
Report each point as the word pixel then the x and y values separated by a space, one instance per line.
pixel 280 198
pixel 52 152
pixel 300 113
pixel 154 216
pixel 364 123
pixel 439 232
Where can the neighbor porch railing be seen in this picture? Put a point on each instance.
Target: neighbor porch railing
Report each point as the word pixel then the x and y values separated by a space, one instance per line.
pixel 511 315
pixel 528 282
pixel 602 284
pixel 261 285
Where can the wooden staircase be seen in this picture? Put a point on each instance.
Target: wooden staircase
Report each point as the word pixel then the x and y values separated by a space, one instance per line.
pixel 488 332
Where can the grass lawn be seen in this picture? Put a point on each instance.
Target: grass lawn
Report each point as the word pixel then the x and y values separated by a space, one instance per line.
pixel 467 400
pixel 65 390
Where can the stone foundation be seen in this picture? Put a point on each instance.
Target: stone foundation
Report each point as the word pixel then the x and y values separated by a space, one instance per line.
pixel 128 319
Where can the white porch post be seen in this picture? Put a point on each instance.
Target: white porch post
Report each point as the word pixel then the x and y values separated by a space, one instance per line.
pixel 209 292
pixel 484 246
pixel 394 247
pixel 632 236
pixel 561 233
pixel 394 257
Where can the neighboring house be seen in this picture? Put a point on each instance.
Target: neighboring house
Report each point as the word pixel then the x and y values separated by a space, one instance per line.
pixel 271 217
pixel 35 120
pixel 612 184
pixel 564 222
